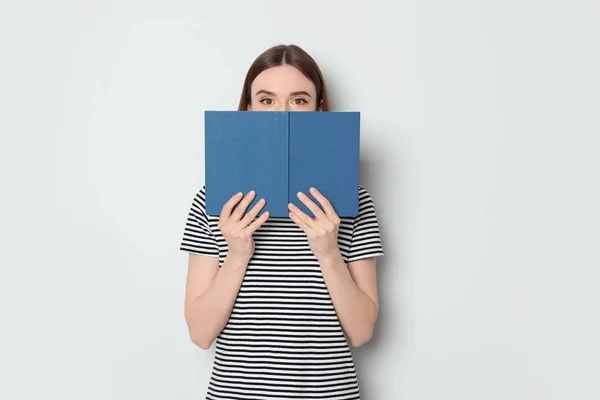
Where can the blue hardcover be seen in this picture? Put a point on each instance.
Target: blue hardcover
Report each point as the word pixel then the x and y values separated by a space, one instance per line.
pixel 278 154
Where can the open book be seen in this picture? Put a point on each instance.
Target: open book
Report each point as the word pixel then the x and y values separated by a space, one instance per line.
pixel 277 154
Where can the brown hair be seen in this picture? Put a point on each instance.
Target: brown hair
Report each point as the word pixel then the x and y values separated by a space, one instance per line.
pixel 285 55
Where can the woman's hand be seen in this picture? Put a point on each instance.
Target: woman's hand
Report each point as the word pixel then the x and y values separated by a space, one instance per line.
pixel 322 229
pixel 238 228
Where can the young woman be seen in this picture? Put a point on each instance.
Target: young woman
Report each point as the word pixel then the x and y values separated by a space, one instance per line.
pixel 282 296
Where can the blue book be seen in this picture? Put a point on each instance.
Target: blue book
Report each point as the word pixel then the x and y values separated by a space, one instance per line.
pixel 278 154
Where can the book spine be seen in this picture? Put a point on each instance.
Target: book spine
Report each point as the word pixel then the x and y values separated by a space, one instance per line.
pixel 281 170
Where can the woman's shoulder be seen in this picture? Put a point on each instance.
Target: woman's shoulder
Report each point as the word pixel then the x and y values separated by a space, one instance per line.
pixel 199 202
pixel 364 197
pixel 201 193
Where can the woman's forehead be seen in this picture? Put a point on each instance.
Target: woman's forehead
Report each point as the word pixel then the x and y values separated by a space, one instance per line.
pixel 282 80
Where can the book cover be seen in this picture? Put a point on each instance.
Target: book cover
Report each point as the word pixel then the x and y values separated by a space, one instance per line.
pixel 278 154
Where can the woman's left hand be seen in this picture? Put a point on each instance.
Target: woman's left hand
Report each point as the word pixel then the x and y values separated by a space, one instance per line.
pixel 322 229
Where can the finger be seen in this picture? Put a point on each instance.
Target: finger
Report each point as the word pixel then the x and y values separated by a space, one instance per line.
pixel 228 206
pixel 258 222
pixel 241 208
pixel 329 210
pixel 253 213
pixel 294 217
pixel 301 215
pixel 316 210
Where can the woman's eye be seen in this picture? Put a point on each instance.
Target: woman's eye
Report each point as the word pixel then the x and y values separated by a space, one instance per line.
pixel 267 101
pixel 299 101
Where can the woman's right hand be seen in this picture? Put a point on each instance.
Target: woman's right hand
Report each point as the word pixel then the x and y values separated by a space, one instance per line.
pixel 238 226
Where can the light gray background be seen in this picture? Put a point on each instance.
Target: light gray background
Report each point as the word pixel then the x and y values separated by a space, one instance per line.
pixel 480 148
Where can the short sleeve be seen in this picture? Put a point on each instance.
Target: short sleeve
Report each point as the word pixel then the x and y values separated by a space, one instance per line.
pixel 366 238
pixel 197 236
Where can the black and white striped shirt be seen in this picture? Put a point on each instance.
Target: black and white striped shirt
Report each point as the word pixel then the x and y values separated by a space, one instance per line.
pixel 283 339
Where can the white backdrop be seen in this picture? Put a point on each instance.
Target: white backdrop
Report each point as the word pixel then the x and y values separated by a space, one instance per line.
pixel 480 148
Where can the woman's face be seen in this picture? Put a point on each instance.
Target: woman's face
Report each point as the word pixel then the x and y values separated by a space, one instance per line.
pixel 283 88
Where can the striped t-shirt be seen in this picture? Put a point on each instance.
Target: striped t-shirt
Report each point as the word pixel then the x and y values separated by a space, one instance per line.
pixel 283 339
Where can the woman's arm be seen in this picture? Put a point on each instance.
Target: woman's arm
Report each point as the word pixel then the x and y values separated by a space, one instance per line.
pixel 210 295
pixel 352 286
pixel 353 291
pixel 211 291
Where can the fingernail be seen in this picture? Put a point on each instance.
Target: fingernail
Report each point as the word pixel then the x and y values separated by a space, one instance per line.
pixel 312 190
pixel 251 192
pixel 300 194
pixel 261 201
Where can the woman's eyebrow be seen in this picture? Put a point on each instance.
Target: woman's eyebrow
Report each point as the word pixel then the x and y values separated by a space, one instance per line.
pixel 300 93
pixel 265 92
